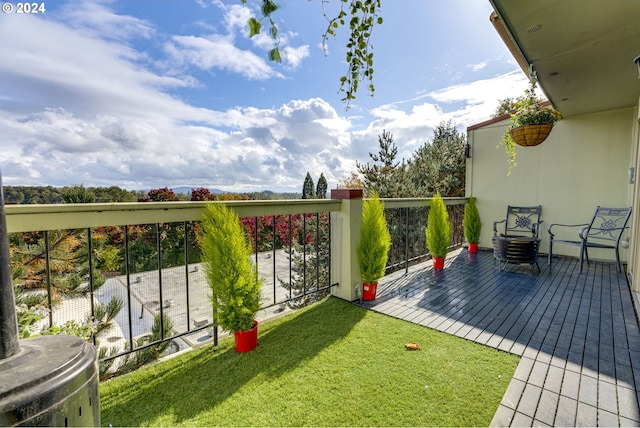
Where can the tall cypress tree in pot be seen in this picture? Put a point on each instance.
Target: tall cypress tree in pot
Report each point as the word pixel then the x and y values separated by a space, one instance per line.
pixel 375 242
pixel 472 224
pixel 234 282
pixel 438 231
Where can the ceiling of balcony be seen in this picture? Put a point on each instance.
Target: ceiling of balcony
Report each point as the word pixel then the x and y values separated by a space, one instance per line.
pixel 583 51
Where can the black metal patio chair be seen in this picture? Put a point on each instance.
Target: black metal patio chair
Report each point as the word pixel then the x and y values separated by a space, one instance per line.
pixel 604 231
pixel 519 243
pixel 520 221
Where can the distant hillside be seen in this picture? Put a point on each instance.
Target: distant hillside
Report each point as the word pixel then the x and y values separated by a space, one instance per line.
pixel 259 195
pixel 187 190
pixel 53 195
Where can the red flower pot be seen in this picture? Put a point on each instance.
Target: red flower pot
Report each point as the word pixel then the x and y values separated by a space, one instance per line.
pixel 438 263
pixel 369 291
pixel 247 340
pixel 473 248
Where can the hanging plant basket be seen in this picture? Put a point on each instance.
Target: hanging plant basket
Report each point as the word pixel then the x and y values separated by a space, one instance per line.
pixel 530 135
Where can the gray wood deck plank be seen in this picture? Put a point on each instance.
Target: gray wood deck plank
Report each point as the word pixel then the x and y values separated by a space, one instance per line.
pixel 577 333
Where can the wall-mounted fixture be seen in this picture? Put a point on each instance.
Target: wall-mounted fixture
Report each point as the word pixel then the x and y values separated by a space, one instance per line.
pixel 637 61
pixel 467 150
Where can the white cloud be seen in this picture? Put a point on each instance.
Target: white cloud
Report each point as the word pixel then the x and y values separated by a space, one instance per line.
pixel 479 66
pixel 80 104
pixel 295 56
pixel 480 98
pixel 218 52
pixel 96 19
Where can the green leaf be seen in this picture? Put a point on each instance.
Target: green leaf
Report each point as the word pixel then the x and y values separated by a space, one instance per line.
pixel 268 7
pixel 254 26
pixel 274 55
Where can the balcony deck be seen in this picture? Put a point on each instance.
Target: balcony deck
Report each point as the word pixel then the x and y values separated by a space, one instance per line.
pixel 577 334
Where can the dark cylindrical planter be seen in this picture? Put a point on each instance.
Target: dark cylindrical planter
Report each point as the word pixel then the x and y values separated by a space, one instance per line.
pixel 51 381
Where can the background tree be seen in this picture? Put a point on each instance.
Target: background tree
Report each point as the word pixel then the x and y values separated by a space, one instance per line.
pixel 351 182
pixel 202 194
pixel 308 191
pixel 321 188
pixel 439 166
pixel 310 260
pixel 115 194
pixel 507 106
pixel 162 195
pixel 77 194
pixel 387 176
pixel 309 250
pixel 32 195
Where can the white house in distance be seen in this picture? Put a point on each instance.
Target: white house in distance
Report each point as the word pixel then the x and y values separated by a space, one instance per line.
pixel 583 53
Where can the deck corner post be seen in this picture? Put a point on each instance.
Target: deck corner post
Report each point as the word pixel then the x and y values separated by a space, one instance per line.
pixel 345 238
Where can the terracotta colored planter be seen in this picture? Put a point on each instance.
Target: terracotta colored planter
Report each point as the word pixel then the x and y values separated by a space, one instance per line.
pixel 530 135
pixel 247 340
pixel 438 263
pixel 473 248
pixel 369 291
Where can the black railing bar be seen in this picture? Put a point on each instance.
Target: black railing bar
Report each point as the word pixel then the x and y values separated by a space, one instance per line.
pixel 290 254
pixel 159 245
pixel 91 280
pixel 406 240
pixel 329 244
pixel 127 268
pixel 215 327
pixel 273 254
pixel 210 325
pixel 304 254
pixel 255 239
pixel 186 270
pixel 309 293
pixel 426 256
pixel 47 264
pixel 317 240
pixel 155 342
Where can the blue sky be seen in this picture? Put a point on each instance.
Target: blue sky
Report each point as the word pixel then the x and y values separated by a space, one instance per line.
pixel 147 94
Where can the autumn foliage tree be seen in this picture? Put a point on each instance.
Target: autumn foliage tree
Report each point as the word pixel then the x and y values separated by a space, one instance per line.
pixel 162 195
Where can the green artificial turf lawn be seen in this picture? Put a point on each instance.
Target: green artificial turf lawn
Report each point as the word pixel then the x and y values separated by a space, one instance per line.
pixel 331 364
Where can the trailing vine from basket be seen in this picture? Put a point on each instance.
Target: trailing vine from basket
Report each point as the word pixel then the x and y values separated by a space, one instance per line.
pixel 526 110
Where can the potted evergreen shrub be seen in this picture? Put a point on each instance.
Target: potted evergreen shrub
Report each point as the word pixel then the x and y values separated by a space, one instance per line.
pixel 375 242
pixel 472 224
pixel 438 231
pixel 234 282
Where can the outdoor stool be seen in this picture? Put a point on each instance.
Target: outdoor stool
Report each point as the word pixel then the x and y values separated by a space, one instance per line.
pixel 519 244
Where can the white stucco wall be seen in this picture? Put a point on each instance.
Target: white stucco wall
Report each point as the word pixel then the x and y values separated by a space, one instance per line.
pixel 584 163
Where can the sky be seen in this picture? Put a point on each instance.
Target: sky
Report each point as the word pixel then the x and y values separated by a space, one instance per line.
pixel 145 94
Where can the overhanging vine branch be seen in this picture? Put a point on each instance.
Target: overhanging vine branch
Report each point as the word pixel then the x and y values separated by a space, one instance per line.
pixel 361 15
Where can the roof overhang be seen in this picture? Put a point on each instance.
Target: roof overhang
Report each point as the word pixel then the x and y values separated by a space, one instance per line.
pixel 583 51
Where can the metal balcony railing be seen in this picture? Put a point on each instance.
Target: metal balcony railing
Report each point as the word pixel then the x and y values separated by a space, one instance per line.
pixel 128 275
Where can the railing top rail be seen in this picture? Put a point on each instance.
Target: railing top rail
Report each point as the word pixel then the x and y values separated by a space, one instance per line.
pixel 34 217
pixel 420 202
pixel 38 217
